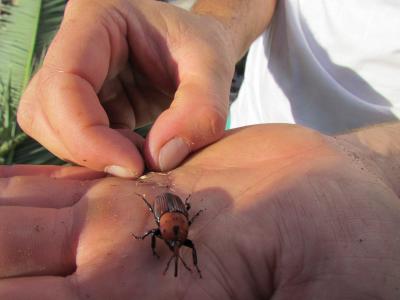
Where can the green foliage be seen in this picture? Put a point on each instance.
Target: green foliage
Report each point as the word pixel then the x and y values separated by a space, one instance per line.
pixel 8 127
pixel 26 29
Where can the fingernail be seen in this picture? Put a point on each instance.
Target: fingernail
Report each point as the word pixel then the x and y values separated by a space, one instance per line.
pixel 172 153
pixel 120 172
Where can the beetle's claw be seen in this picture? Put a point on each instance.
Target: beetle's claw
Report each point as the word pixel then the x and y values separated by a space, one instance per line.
pixel 137 237
pixel 199 272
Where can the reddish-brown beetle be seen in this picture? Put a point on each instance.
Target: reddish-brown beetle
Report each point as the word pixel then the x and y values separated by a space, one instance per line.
pixel 172 218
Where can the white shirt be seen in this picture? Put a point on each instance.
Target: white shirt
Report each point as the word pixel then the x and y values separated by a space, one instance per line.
pixel 331 65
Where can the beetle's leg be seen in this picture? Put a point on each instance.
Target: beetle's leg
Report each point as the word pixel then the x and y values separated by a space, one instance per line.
pixel 157 233
pixel 154 233
pixel 188 243
pixel 185 265
pixel 168 263
pixel 142 237
pixel 147 202
pixel 187 204
pixel 195 216
pixel 148 205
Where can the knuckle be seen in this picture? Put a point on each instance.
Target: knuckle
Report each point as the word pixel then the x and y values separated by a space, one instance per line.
pixel 214 121
pixel 28 112
pixel 25 114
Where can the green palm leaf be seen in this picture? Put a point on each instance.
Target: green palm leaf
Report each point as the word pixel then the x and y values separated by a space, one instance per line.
pixel 26 29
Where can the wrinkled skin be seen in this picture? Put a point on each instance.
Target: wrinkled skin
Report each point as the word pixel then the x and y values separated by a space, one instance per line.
pixel 290 214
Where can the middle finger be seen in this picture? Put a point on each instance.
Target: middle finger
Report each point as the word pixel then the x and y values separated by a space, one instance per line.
pixel 41 191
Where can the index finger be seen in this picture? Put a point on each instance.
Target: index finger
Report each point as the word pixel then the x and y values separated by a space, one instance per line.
pixel 78 173
pixel 89 47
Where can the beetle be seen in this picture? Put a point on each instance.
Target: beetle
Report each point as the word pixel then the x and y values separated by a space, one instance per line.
pixel 173 223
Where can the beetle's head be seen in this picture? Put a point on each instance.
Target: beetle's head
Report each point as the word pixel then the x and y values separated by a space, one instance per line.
pixel 175 245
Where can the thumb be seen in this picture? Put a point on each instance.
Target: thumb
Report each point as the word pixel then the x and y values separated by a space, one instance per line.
pixel 196 118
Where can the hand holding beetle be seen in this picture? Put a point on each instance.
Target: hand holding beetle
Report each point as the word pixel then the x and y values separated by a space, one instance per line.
pixel 310 217
pixel 116 65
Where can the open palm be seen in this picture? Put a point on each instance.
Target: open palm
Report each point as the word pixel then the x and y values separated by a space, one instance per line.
pixel 295 216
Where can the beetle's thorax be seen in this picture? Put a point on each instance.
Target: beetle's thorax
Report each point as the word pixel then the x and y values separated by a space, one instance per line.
pixel 174 226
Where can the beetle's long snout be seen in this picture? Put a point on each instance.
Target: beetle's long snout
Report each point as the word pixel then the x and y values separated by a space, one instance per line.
pixel 176 248
pixel 176 265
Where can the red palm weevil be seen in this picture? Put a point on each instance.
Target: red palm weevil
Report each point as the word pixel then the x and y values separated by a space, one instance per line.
pixel 172 219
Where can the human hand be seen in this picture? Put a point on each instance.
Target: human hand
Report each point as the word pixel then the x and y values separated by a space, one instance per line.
pixel 116 65
pixel 296 217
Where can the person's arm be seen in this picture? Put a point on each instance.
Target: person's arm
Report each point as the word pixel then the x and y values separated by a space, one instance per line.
pixel 244 20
